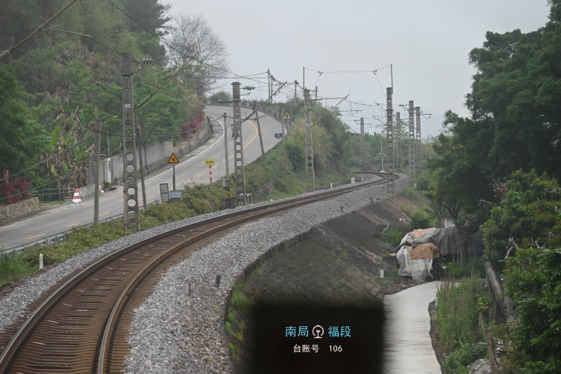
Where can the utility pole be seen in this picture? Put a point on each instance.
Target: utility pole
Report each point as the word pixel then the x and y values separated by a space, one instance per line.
pixel 8 52
pixel 144 204
pixel 398 132
pixel 389 141
pixel 130 181
pixel 362 144
pixel 418 157
pixel 411 142
pixel 282 124
pixel 226 147
pixel 309 146
pixel 268 83
pixel 96 179
pixel 259 131
pixel 239 168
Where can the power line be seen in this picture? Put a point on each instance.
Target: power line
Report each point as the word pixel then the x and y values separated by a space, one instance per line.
pixel 348 72
pixel 8 52
pixel 50 158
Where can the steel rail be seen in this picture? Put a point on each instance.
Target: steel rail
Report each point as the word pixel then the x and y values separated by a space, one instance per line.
pixel 20 337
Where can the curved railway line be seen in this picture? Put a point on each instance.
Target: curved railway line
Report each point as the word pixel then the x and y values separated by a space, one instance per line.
pixel 83 325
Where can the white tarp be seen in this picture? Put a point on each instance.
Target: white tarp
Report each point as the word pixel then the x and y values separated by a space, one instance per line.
pixel 418 248
pixel 411 264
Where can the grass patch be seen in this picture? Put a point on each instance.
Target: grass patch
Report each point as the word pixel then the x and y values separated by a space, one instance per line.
pixel 13 268
pixel 239 300
pixel 392 236
pixel 465 355
pixel 454 269
pixel 456 312
pixel 342 254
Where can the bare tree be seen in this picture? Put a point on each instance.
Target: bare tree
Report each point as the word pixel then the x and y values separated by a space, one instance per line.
pixel 191 35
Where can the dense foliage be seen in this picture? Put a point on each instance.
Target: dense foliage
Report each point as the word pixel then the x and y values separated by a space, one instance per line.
pixel 515 120
pixel 56 86
pixel 22 138
pixel 465 355
pixel 529 215
pixel 456 312
pixel 534 283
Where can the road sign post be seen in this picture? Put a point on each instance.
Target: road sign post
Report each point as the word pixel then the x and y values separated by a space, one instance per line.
pixel 210 163
pixel 173 160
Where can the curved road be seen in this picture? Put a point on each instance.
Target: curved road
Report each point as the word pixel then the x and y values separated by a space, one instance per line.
pixel 189 171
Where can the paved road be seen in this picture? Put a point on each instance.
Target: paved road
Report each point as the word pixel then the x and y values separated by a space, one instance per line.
pixel 190 170
pixel 408 347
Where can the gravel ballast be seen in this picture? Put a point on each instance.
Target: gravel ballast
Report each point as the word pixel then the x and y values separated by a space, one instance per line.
pixel 172 332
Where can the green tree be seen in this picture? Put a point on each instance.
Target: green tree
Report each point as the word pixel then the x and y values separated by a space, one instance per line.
pixel 22 139
pixel 530 215
pixel 220 96
pixel 533 281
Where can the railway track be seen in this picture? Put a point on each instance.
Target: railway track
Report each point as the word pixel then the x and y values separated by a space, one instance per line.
pixel 82 326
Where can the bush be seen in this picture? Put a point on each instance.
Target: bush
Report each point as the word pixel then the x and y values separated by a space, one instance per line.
pixel 456 312
pixel 465 355
pixel 420 220
pixel 296 155
pixel 12 268
pixel 533 281
pixel 393 236
pixel 459 271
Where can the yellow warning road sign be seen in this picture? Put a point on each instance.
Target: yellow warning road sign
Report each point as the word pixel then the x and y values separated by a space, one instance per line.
pixel 286 116
pixel 209 161
pixel 173 159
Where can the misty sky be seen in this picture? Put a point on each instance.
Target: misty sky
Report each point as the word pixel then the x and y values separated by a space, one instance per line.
pixel 427 42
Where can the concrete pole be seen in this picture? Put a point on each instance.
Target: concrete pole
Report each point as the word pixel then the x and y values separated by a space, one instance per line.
pixel 411 142
pixel 362 144
pixel 398 132
pixel 96 179
pixel 140 159
pixel 309 145
pixel 239 167
pixel 389 141
pixel 130 180
pixel 283 121
pixel 418 158
pixel 226 147
pixel 259 131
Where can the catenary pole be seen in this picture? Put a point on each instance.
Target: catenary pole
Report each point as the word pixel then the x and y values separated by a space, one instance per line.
pixel 130 180
pixel 309 145
pixel 226 147
pixel 140 159
pixel 96 178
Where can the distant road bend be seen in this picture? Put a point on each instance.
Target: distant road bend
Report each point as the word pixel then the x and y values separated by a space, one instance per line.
pixel 192 170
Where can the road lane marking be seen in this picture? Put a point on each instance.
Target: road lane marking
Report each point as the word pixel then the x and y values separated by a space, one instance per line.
pixel 104 213
pixel 151 197
pixel 200 175
pixel 36 236
pixel 74 224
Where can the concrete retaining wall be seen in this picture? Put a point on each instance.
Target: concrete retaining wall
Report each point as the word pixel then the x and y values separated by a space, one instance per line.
pixel 22 208
pixel 155 156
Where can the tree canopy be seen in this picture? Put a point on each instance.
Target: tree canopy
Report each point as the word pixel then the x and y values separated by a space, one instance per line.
pixel 515 121
pixel 69 81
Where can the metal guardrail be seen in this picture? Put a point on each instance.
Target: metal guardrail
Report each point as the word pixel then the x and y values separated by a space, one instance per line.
pixel 47 195
pixel 57 238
